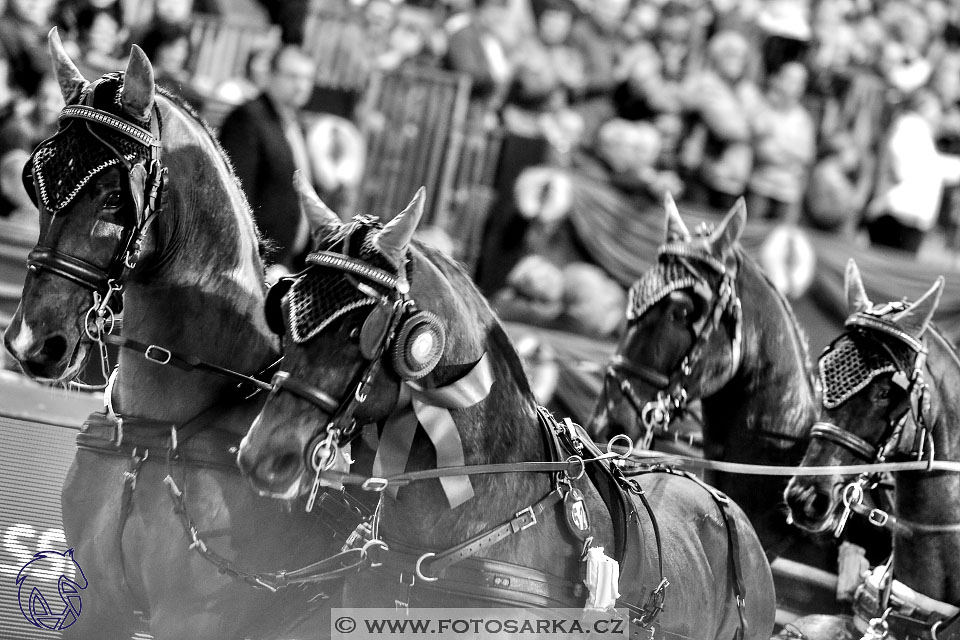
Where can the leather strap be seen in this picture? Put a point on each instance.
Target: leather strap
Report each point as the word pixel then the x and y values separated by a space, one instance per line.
pixel 76 270
pixel 855 444
pixel 493 581
pixel 733 541
pixel 282 380
pixel 163 356
pixel 213 450
pixel 523 519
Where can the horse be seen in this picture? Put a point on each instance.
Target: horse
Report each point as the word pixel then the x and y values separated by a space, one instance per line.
pixel 891 393
pixel 485 500
pixel 705 323
pixel 139 207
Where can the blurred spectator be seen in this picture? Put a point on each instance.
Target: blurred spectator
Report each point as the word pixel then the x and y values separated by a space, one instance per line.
pixel 23 41
pixel 474 48
pixel 27 123
pixel 784 148
pixel 409 40
pixel 15 203
pixel 167 45
pixel 99 37
pixel 238 90
pixel 722 101
pixel 840 183
pixel 912 178
pixel 533 292
pixel 264 139
pixel 631 153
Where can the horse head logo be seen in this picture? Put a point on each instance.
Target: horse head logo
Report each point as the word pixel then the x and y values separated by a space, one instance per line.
pixel 39 609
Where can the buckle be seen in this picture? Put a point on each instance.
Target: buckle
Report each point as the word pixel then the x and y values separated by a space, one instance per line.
pixel 419 568
pixel 375 484
pixel 157 354
pixel 533 518
pixel 877 517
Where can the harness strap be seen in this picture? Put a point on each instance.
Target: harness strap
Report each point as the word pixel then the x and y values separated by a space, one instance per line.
pixel 651 376
pixel 853 443
pixel 373 483
pixel 163 356
pixel 328 569
pixel 524 519
pixel 282 380
pixel 495 581
pixel 733 541
pixel 76 270
pixel 127 435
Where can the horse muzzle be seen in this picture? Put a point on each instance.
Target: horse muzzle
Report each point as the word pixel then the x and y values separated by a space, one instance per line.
pixel 812 508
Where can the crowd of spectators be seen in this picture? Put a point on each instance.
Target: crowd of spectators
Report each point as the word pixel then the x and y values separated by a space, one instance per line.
pixel 840 114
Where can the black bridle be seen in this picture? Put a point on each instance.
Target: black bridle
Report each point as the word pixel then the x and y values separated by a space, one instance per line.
pixel 907 375
pixel 145 177
pixel 341 426
pixel 873 324
pixel 672 395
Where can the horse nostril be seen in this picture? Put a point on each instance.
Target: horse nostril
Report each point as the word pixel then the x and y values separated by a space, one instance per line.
pixel 54 348
pixel 817 506
pixel 276 469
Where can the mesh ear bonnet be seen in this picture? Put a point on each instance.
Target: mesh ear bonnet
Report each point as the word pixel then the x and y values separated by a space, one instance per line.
pixel 62 165
pixel 853 360
pixel 848 366
pixel 308 303
pixel 666 276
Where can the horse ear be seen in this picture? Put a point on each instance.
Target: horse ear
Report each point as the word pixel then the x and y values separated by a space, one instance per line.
pixel 136 97
pixel 395 236
pixel 68 76
pixel 318 214
pixel 730 229
pixel 857 300
pixel 676 230
pixel 916 318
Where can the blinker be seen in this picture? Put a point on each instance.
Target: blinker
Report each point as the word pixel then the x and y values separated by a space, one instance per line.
pixel 373 334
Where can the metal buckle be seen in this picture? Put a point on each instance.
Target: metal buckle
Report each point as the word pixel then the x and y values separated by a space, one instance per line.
pixel 155 353
pixel 878 517
pixel 533 518
pixel 375 484
pixel 418 568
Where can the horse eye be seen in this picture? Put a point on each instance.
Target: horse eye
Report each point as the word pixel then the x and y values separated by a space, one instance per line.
pixel 112 201
pixel 882 393
pixel 355 334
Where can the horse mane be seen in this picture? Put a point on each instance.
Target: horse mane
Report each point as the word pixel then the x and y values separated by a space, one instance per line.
pixel 264 245
pixel 799 335
pixel 482 313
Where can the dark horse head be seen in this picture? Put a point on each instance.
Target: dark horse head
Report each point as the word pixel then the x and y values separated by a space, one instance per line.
pixel 369 308
pixel 98 184
pixel 705 323
pixel 89 181
pixel 885 393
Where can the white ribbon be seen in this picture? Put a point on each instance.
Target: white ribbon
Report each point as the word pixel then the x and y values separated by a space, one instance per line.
pixel 430 408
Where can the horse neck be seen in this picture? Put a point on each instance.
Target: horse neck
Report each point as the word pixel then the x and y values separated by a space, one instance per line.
pixel 501 428
pixel 772 391
pixel 930 563
pixel 205 299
